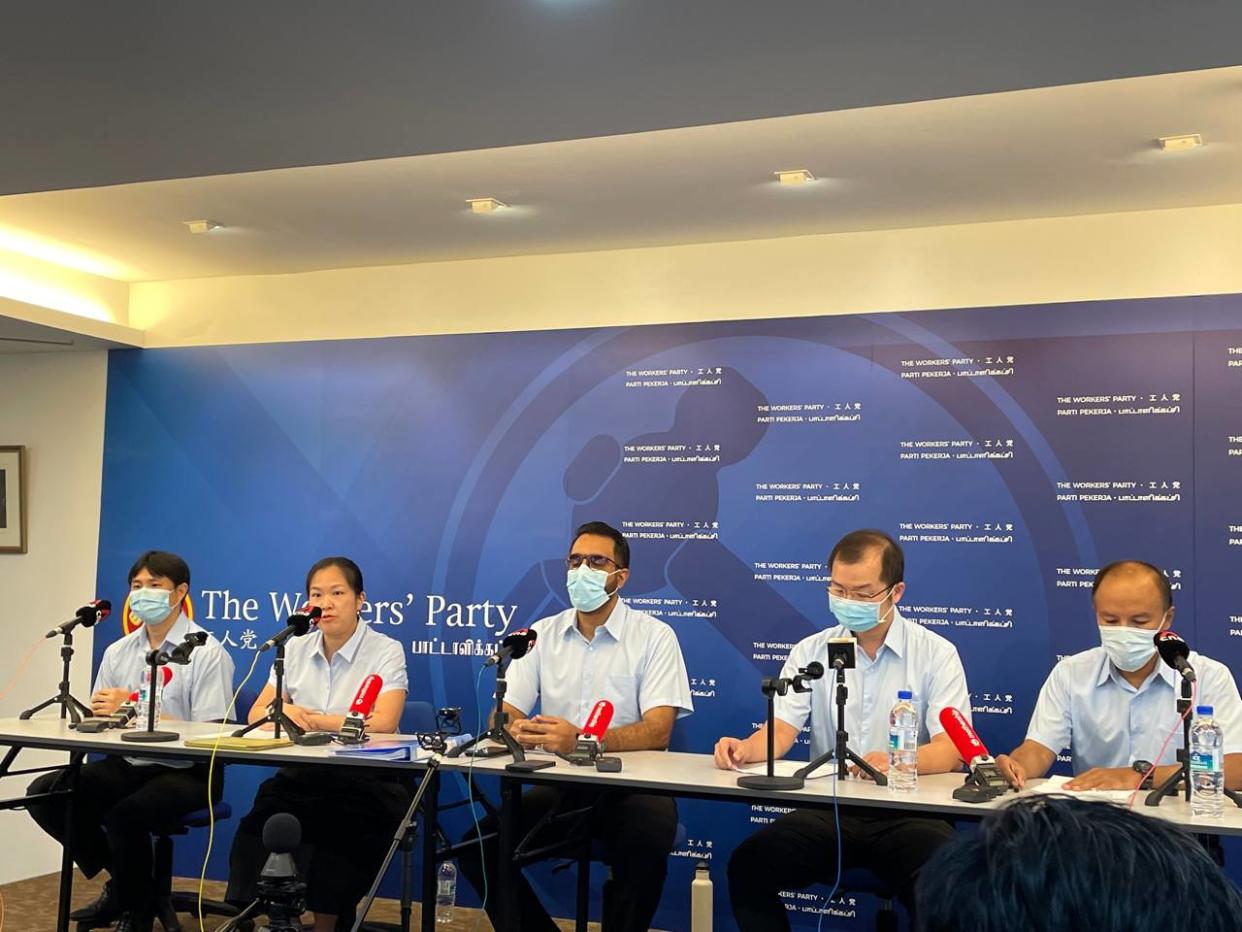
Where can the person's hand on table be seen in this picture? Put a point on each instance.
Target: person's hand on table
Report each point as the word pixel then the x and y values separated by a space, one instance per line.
pixel 1012 771
pixel 547 732
pixel 107 701
pixel 1105 778
pixel 730 754
pixel 877 759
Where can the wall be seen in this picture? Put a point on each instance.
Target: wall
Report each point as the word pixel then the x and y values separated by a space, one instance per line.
pixel 53 404
pixel 1137 254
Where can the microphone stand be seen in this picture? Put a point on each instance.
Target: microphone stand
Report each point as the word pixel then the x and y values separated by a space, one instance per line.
pixel 773 686
pixel 69 706
pixel 276 711
pixel 1182 775
pixel 156 659
pixel 498 733
pixel 842 657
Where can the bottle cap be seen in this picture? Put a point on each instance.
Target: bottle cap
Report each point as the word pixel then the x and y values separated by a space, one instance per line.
pixel 904 694
pixel 1203 710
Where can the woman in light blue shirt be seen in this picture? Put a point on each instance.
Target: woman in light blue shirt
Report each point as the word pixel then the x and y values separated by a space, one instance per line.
pixel 347 815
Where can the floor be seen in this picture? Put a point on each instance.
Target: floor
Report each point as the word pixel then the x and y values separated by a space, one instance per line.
pixel 30 906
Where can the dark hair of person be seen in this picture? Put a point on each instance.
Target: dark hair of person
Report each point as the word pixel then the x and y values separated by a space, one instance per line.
pixel 353 575
pixel 1157 576
pixel 620 546
pixel 854 547
pixel 161 563
pixel 1051 863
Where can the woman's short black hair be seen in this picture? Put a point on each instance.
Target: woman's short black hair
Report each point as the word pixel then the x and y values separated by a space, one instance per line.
pixel 161 563
pixel 353 575
pixel 620 545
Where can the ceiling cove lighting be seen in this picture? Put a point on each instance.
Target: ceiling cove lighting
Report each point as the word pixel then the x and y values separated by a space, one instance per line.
pixel 485 205
pixel 202 226
pixel 794 176
pixel 1179 143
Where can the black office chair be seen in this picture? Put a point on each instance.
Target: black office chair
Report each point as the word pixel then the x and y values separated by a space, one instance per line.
pixel 861 880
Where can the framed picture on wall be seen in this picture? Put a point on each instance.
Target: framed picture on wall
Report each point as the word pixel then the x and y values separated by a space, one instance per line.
pixel 12 499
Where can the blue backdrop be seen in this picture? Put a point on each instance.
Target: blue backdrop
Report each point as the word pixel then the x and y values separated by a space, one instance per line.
pixel 1011 450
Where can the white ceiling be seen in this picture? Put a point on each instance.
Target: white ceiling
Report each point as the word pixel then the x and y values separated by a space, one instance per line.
pixel 1059 151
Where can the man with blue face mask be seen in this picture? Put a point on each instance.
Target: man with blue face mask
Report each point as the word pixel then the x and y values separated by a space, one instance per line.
pixel 867 570
pixel 600 648
pixel 1114 705
pixel 120 801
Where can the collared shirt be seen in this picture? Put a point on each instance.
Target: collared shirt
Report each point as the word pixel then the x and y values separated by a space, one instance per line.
pixel 197 692
pixel 634 661
pixel 1087 706
pixel 911 657
pixel 328 686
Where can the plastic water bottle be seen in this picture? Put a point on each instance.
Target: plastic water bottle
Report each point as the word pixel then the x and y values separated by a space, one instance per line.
pixel 701 899
pixel 903 745
pixel 1207 773
pixel 446 892
pixel 146 695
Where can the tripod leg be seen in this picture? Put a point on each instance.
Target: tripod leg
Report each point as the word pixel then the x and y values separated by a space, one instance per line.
pixel 39 708
pixel 879 778
pixel 1168 788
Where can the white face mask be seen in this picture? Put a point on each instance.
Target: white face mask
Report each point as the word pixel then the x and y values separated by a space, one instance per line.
pixel 1128 648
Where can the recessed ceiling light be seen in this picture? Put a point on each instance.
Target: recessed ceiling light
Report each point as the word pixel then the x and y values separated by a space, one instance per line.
pixel 794 176
pixel 485 205
pixel 1180 143
pixel 202 226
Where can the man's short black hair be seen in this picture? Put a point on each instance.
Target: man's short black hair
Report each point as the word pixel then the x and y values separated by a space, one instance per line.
pixel 854 547
pixel 161 563
pixel 348 568
pixel 1050 863
pixel 620 546
pixel 1157 576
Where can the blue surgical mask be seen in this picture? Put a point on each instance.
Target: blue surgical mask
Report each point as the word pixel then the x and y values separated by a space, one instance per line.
pixel 150 606
pixel 1127 648
pixel 586 588
pixel 857 616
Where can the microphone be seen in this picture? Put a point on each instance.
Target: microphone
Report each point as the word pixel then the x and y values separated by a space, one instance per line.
pixel 299 624
pixel 87 616
pixel 985 781
pixel 588 746
pixel 1174 651
pixel 181 653
pixel 128 710
pixel 282 833
pixel 515 645
pixel 353 728
pixel 812 671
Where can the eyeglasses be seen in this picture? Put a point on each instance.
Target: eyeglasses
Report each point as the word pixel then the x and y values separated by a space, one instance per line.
pixel 595 561
pixel 842 593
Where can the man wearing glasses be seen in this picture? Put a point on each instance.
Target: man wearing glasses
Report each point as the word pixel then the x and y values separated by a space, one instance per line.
pixel 598 649
pixel 867 569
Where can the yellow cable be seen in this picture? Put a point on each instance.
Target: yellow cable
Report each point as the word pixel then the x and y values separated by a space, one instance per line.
pixel 211 808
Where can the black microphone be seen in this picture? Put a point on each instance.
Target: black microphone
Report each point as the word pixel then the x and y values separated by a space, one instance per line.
pixel 282 833
pixel 299 624
pixel 181 653
pixel 812 671
pixel 1174 651
pixel 87 616
pixel 515 645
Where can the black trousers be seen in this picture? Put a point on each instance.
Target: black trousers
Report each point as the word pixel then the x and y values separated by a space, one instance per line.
pixel 800 849
pixel 637 833
pixel 117 808
pixel 347 819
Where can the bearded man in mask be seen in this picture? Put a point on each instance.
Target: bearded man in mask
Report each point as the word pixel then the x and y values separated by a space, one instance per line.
pixel 1114 705
pixel 598 649
pixel 867 581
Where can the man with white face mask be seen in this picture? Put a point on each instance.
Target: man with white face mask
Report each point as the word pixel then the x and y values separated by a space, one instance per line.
pixel 121 801
pixel 598 649
pixel 1115 704
pixel 867 570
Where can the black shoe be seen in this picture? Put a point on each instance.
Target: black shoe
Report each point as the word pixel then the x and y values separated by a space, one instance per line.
pixel 134 920
pixel 103 911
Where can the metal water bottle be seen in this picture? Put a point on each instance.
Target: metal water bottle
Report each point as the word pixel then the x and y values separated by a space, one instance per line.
pixel 701 899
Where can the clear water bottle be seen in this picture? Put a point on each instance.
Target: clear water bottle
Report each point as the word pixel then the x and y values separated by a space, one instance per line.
pixel 446 892
pixel 146 695
pixel 903 745
pixel 1207 770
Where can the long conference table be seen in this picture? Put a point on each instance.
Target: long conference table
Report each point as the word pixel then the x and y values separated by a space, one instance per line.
pixel 682 775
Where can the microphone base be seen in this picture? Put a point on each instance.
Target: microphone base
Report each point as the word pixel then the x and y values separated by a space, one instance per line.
pixel 972 793
pixel 491 750
pixel 764 782
pixel 528 766
pixel 149 737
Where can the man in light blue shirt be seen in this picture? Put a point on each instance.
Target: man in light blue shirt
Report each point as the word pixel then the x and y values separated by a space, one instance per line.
pixel 867 570
pixel 119 801
pixel 1115 705
pixel 599 649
